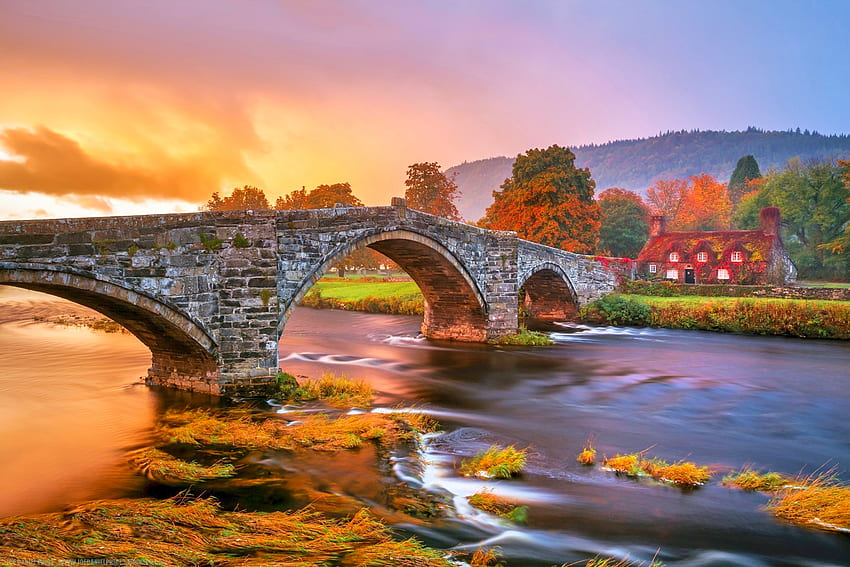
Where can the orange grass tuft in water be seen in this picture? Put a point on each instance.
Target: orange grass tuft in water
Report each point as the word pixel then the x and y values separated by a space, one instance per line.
pixel 749 479
pixel 822 501
pixel 588 455
pixel 497 505
pixel 682 473
pixel 495 462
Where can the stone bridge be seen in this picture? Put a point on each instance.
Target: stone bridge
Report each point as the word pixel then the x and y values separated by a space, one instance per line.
pixel 210 292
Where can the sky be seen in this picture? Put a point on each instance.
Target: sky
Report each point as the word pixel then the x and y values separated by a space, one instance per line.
pixel 112 107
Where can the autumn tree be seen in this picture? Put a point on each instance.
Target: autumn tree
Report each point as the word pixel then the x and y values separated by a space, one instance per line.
pixel 746 170
pixel 292 201
pixel 813 199
pixel 706 205
pixel 245 197
pixel 665 197
pixel 328 196
pixel 429 190
pixel 548 200
pixel 624 223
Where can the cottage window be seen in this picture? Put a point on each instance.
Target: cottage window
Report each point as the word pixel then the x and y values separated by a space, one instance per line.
pixel 702 257
pixel 722 274
pixel 737 256
pixel 674 257
pixel 672 274
pixel 653 269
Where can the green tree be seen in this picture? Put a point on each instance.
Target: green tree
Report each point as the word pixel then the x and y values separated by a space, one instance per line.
pixel 841 245
pixel 746 170
pixel 429 190
pixel 245 197
pixel 548 200
pixel 813 200
pixel 625 223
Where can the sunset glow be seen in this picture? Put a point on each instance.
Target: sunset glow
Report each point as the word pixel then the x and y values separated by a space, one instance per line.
pixel 120 106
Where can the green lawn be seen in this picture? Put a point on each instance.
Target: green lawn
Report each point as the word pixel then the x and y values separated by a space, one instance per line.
pixel 358 288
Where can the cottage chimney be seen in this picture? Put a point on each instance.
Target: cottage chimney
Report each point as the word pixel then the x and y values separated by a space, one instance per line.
pixel 657 225
pixel 770 221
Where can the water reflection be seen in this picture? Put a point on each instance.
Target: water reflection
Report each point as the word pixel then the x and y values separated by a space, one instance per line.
pixel 71 404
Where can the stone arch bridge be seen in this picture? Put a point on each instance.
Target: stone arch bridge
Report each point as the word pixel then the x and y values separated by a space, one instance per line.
pixel 210 292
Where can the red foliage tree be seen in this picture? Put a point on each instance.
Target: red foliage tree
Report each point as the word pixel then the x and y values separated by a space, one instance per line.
pixel 548 200
pixel 430 191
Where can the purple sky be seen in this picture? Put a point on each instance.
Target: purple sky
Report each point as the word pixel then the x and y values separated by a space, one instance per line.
pixel 114 106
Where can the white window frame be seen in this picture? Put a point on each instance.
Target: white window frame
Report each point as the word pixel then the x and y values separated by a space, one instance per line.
pixel 723 274
pixel 702 256
pixel 672 274
pixel 653 269
pixel 675 257
pixel 737 256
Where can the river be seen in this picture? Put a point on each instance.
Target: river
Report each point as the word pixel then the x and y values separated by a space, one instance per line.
pixel 71 405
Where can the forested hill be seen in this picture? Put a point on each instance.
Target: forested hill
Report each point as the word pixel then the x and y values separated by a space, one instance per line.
pixel 637 164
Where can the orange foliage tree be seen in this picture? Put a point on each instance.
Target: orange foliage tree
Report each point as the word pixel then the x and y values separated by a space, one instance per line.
pixel 665 197
pixel 246 197
pixel 322 197
pixel 430 191
pixel 706 205
pixel 548 200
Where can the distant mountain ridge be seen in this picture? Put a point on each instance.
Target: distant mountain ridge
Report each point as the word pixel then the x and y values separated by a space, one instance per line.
pixel 637 164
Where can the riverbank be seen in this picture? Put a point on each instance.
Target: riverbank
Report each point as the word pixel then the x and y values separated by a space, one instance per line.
pixel 730 309
pixel 755 316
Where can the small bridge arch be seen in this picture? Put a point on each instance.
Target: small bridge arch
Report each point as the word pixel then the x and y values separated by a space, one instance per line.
pixel 548 294
pixel 455 307
pixel 179 346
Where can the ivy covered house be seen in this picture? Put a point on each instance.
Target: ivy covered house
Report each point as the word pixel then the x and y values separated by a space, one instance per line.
pixel 724 256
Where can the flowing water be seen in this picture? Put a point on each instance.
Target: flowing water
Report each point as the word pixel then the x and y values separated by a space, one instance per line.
pixel 71 405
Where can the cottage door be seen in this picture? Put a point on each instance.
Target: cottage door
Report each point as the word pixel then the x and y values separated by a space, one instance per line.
pixel 689 275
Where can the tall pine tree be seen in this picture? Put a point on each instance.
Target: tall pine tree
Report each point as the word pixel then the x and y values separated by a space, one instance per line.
pixel 746 170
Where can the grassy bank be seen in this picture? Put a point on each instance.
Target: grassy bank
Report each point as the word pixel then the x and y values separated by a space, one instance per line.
pixel 759 316
pixel 369 294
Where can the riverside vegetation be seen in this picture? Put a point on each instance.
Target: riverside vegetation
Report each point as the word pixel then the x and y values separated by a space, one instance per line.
pixel 671 309
pixel 197 454
pixel 194 449
pixel 758 316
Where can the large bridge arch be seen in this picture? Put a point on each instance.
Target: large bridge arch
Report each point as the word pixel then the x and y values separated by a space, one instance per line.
pixel 455 307
pixel 548 294
pixel 182 353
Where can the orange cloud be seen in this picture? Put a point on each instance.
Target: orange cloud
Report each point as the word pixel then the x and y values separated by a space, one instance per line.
pixel 51 163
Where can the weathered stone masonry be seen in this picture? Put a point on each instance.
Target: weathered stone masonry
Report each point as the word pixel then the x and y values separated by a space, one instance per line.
pixel 209 293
